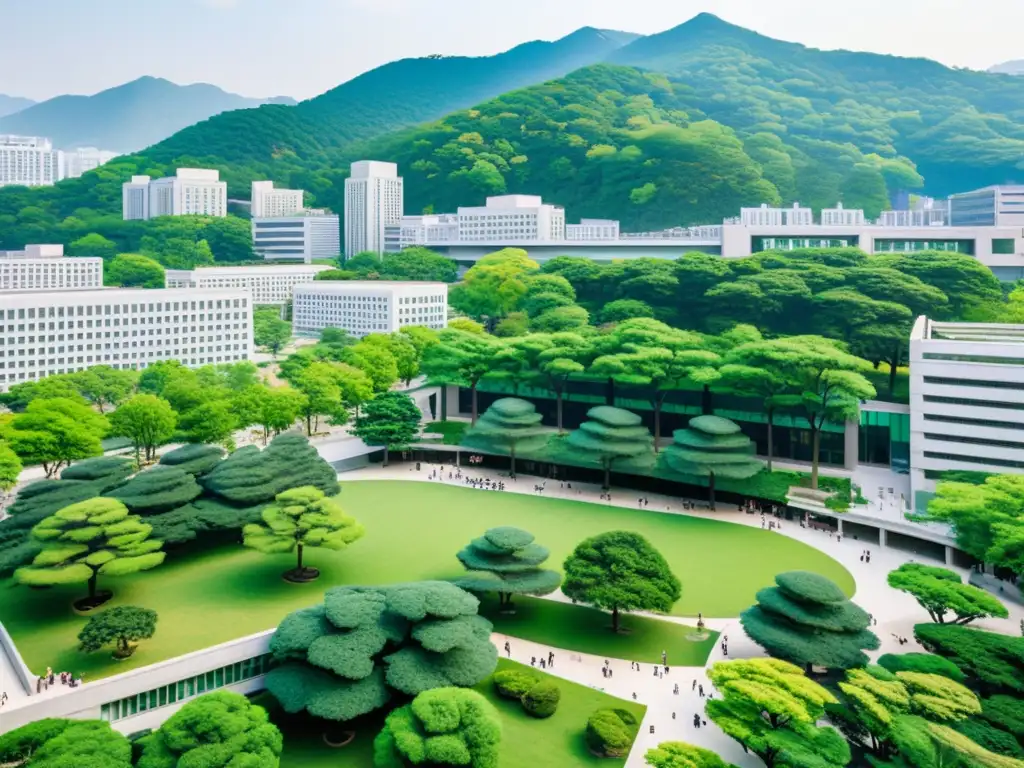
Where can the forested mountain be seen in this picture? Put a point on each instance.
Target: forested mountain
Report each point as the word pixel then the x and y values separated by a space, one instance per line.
pixel 125 118
pixel 1015 67
pixel 11 104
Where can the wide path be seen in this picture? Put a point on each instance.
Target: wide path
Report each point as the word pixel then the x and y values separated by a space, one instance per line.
pixel 894 612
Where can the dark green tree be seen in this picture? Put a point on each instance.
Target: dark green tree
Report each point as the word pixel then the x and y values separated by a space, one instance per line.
pixel 123 625
pixel 391 419
pixel 507 561
pixel 132 270
pixel 993 663
pixel 54 743
pixel 157 490
pixel 611 435
pixel 195 459
pixel 508 426
pixel 712 447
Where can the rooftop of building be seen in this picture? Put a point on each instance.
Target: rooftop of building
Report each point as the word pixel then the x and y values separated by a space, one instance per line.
pixel 340 284
pixel 248 268
pixel 927 329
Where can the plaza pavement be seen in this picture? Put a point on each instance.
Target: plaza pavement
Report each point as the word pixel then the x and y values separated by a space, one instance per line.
pixel 894 612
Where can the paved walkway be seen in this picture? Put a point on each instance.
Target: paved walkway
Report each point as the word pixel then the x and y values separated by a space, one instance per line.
pixel 894 612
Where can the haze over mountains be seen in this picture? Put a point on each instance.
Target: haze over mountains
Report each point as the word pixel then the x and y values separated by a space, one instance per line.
pixel 11 104
pixel 1015 67
pixel 125 118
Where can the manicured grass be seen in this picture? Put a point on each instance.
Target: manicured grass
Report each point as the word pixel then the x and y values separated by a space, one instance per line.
pixel 413 530
pixel 554 742
pixel 578 628
pixel 452 431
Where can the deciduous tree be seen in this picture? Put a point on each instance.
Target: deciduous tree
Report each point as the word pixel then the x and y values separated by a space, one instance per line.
pixel 677 754
pixel 104 386
pixel 147 420
pixel 133 270
pixel 390 419
pixel 122 625
pixel 54 432
pixel 462 358
pixel 940 591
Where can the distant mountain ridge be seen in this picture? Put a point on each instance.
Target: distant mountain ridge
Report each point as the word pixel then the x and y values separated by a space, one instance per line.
pixel 128 117
pixel 1015 67
pixel 11 104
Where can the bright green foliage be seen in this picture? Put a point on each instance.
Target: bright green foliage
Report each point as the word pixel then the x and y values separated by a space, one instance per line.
pixel 194 458
pixel 342 659
pixel 770 707
pixel 157 490
pixel 610 435
pixel 712 447
pixel 611 732
pixel 415 264
pixel 1005 712
pixel 85 540
pixel 104 386
pixel 43 498
pixel 10 469
pixel 624 309
pixel 677 754
pixel 18 745
pixel 273 408
pixel 78 744
pixel 807 620
pixel 375 360
pixel 940 591
pixel 444 726
pixel 250 476
pixel 211 422
pixel 300 518
pixel 991 738
pixel 514 683
pixel 269 330
pixel 148 421
pixel 923 744
pixel 494 285
pixel 463 358
pixel 928 663
pixel 122 625
pixel 988 518
pixel 218 729
pixel 390 419
pixel 542 699
pixel 508 561
pixel 54 432
pixel 554 358
pixel 132 270
pixel 320 384
pixel 993 663
pixel 617 571
pixel 508 426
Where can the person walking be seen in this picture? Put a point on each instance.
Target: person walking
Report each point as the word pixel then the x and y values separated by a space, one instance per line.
pixel 700 690
pixel 508 649
pixel 551 659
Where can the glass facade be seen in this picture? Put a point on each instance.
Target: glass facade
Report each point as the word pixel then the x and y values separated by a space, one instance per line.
pixel 759 244
pixel 908 246
pixel 885 439
pixel 185 689
pixel 1002 246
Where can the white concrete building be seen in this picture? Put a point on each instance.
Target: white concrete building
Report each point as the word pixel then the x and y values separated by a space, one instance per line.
pixel 512 218
pixel 84 159
pixel 966 400
pixel 29 161
pixel 269 285
pixel 297 238
pixel 43 267
pixel 43 333
pixel 777 217
pixel 190 192
pixel 268 202
pixel 844 217
pixel 997 206
pixel 428 230
pixel 365 307
pixel 593 229
pixel 374 199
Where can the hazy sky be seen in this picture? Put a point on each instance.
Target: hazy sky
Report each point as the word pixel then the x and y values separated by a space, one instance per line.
pixel 303 47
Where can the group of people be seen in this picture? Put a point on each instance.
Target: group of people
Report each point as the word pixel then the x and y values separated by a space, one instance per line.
pixel 50 678
pixel 544 664
pixel 485 483
pixel 865 556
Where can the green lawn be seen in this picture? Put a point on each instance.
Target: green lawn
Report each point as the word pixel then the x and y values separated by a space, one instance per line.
pixel 555 742
pixel 451 430
pixel 414 530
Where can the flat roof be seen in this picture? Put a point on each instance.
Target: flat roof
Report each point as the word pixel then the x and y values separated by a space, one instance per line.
pixel 926 329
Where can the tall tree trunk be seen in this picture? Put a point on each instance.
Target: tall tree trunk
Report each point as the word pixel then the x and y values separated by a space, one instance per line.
pixel 711 490
pixel 385 455
pixel 444 404
pixel 815 448
pixel 298 565
pixel 706 404
pixel 309 424
pixel 473 390
pixel 771 437
pixel 615 619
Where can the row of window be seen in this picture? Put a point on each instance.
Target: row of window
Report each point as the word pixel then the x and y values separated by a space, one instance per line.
pixel 988 359
pixel 117 309
pixel 974 440
pixel 973 403
pixel 974 460
pixel 986 383
pixel 972 422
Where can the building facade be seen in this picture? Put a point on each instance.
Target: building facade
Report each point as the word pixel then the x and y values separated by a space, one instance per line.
pixel 411 231
pixel 966 401
pixel 83 160
pixel 844 217
pixel 297 238
pixel 269 285
pixel 764 216
pixel 365 307
pixel 268 202
pixel 374 200
pixel 593 229
pixel 29 161
pixel 190 192
pixel 43 333
pixel 998 206
pixel 512 218
pixel 43 267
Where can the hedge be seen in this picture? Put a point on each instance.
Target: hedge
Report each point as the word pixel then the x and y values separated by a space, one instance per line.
pixel 927 663
pixel 196 459
pixel 514 683
pixel 610 732
pixel 542 699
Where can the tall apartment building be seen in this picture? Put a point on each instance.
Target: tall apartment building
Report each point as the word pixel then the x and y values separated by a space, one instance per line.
pixel 191 191
pixel 297 238
pixel 365 307
pixel 593 229
pixel 269 285
pixel 997 206
pixel 28 161
pixel 777 217
pixel 842 217
pixel 509 218
pixel 269 202
pixel 83 160
pixel 43 267
pixel 374 200
pixel 46 332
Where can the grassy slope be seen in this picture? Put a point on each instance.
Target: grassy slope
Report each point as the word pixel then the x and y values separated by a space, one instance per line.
pixel 556 742
pixel 413 532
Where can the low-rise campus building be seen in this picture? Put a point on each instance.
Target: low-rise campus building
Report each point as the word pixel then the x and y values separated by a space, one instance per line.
pixel 365 307
pixel 44 267
pixel 269 285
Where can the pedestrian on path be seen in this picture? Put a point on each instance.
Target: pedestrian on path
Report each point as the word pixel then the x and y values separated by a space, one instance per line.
pixel 700 690
pixel 551 659
pixel 508 649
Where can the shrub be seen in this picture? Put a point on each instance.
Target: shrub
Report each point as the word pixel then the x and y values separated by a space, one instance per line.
pixel 513 683
pixel 928 663
pixel 19 744
pixel 610 732
pixel 1006 713
pixel 157 490
pixel 989 737
pixel 993 663
pixel 542 700
pixel 196 459
pixel 106 470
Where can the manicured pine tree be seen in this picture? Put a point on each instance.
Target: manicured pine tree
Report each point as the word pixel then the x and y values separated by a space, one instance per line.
pixel 807 620
pixel 610 435
pixel 712 447
pixel 121 625
pixel 509 425
pixel 157 490
pixel 507 560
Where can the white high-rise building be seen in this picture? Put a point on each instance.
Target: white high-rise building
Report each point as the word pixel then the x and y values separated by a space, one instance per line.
pixel 374 199
pixel 511 218
pixel 52 332
pixel 28 161
pixel 43 267
pixel 365 307
pixel 842 217
pixel 269 285
pixel 593 229
pixel 85 159
pixel 297 238
pixel 268 202
pixel 191 191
